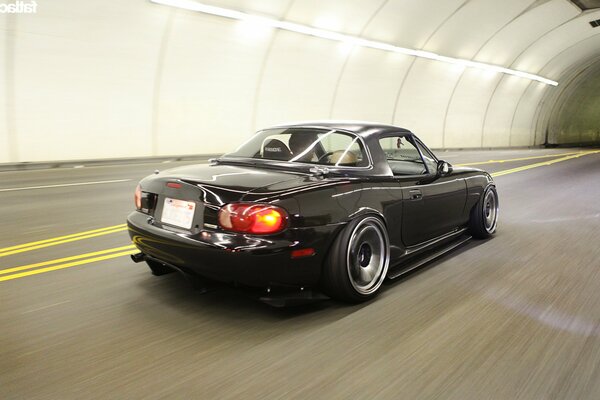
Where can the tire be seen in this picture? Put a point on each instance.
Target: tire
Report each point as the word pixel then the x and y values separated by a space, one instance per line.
pixel 484 215
pixel 358 260
pixel 158 269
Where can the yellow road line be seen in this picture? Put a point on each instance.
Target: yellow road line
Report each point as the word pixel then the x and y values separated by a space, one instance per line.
pixel 61 237
pixel 67 265
pixel 542 164
pixel 519 159
pixel 65 259
pixel 55 241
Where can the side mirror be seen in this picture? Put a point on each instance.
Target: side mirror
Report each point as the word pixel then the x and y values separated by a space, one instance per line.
pixel 443 168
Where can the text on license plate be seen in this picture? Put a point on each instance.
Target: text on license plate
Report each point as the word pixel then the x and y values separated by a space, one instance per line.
pixel 178 212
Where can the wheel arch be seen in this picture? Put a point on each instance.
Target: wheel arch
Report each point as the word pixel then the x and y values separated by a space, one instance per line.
pixel 476 187
pixel 350 229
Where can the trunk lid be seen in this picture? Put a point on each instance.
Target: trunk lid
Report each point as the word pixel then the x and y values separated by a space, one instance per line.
pixel 226 183
pixel 209 187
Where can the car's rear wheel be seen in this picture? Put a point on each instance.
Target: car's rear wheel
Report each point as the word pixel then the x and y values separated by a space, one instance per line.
pixel 484 215
pixel 358 261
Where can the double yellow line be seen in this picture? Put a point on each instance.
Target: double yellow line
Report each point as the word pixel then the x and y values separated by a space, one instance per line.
pixel 66 262
pixel 545 163
pixel 519 159
pixel 21 248
pixel 81 259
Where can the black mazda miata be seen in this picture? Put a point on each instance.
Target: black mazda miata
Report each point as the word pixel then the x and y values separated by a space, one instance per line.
pixel 307 209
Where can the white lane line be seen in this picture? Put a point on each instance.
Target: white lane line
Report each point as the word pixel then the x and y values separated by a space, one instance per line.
pixel 64 185
pixel 45 307
pixel 66 168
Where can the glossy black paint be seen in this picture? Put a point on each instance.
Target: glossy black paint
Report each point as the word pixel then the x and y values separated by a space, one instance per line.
pixel 417 210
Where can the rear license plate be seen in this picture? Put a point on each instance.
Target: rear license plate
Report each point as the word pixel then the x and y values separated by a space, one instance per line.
pixel 178 212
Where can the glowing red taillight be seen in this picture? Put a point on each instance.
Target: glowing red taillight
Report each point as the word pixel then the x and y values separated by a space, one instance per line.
pixel 252 218
pixel 138 197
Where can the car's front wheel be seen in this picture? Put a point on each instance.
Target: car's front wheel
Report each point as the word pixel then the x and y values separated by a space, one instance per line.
pixel 358 261
pixel 484 215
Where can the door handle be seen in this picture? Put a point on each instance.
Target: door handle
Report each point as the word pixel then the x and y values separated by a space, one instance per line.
pixel 415 195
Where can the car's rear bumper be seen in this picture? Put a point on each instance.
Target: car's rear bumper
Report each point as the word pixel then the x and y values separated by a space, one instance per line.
pixel 245 259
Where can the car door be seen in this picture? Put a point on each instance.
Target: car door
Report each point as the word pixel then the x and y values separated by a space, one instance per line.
pixel 432 205
pixel 447 195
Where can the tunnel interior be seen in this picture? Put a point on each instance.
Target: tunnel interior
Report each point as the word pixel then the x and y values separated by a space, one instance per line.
pixel 114 118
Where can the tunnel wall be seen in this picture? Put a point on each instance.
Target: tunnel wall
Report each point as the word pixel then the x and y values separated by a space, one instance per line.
pixel 576 117
pixel 109 78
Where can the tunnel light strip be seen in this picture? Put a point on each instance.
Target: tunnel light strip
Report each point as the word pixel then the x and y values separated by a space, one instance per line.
pixel 348 39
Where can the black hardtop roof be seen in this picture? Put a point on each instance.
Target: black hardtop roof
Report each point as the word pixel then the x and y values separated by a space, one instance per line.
pixel 361 128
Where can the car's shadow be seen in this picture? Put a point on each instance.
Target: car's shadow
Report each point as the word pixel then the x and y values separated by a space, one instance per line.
pixel 230 304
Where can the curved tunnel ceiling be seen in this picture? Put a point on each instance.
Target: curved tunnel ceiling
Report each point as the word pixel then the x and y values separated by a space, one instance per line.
pixel 507 34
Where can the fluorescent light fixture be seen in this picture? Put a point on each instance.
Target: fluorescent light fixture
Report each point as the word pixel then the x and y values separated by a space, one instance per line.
pixel 347 39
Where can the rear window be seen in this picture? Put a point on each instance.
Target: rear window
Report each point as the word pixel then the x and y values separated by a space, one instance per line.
pixel 305 145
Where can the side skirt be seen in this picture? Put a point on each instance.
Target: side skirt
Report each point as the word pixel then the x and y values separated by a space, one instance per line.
pixel 404 267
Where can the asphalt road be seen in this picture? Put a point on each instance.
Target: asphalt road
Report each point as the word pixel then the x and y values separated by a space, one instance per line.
pixel 514 317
